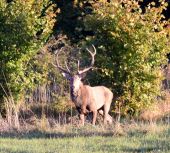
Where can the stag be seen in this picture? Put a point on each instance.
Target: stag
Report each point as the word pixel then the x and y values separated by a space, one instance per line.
pixel 87 98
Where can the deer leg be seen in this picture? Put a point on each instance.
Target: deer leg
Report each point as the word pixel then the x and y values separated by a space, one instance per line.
pixel 84 111
pixel 94 117
pixel 109 118
pixel 82 119
pixel 106 111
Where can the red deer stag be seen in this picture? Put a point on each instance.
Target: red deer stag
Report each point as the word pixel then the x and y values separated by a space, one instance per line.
pixel 87 98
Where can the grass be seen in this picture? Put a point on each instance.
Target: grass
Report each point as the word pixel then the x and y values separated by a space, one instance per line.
pixel 125 139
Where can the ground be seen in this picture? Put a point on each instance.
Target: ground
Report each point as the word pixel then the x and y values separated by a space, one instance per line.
pixel 150 138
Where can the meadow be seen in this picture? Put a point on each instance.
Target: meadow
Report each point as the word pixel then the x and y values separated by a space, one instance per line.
pixel 132 138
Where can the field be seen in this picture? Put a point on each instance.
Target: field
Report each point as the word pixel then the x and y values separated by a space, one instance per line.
pixel 130 139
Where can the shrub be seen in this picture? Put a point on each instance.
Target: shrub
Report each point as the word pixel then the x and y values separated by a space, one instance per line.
pixel 25 27
pixel 132 47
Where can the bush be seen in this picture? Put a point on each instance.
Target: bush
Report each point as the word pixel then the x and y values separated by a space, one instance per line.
pixel 132 47
pixel 25 27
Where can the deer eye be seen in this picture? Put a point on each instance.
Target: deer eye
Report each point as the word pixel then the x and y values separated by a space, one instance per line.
pixel 71 79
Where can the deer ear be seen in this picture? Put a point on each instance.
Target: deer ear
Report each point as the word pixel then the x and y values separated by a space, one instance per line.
pixel 66 75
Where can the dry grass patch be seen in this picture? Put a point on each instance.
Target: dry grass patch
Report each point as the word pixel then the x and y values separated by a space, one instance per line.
pixel 158 110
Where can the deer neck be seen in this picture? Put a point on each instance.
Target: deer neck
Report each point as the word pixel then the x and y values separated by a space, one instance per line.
pixel 76 93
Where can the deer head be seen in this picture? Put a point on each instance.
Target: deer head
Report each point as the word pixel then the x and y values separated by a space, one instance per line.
pixel 75 80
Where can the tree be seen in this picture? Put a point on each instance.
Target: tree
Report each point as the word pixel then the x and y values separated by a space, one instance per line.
pixel 132 47
pixel 25 27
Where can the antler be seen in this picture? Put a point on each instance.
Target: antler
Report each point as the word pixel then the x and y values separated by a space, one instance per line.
pixel 92 62
pixel 58 65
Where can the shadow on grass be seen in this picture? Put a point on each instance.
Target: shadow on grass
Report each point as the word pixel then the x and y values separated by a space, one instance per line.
pixel 140 149
pixel 9 151
pixel 40 134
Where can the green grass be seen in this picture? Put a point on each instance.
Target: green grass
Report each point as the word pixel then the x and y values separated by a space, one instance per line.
pixel 135 140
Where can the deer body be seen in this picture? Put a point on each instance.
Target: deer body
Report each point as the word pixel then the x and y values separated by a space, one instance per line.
pixel 87 98
pixel 92 99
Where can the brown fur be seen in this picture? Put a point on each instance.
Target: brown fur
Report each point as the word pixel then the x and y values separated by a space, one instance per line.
pixel 86 103
pixel 84 94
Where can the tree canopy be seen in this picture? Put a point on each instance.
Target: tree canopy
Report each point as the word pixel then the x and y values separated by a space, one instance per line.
pixel 25 27
pixel 132 44
pixel 132 49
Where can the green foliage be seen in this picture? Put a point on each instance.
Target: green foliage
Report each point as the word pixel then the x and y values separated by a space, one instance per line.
pixel 24 28
pixel 62 104
pixel 132 47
